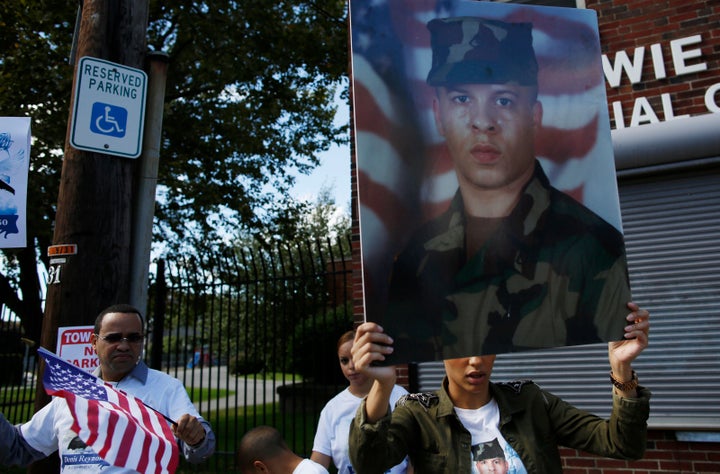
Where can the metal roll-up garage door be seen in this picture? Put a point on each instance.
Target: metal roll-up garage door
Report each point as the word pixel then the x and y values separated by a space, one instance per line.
pixel 672 229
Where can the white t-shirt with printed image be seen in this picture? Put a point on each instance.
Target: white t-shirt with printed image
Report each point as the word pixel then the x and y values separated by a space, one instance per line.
pixel 483 424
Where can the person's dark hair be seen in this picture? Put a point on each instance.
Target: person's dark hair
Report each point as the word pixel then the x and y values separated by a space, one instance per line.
pixel 117 308
pixel 259 444
pixel 346 336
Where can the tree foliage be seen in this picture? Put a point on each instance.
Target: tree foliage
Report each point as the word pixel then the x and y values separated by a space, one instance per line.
pixel 249 98
pixel 267 299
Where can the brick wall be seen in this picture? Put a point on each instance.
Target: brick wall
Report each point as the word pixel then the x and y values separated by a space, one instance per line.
pixel 627 25
pixel 664 455
pixel 624 26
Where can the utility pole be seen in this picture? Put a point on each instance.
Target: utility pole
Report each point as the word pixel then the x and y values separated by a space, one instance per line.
pixel 95 201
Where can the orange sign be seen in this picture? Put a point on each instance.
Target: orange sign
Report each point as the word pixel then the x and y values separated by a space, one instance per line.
pixel 59 250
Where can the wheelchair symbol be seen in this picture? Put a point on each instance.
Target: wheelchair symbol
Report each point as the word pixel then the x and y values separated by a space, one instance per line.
pixel 107 119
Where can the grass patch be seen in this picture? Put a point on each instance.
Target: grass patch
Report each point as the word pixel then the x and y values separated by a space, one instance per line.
pixel 17 403
pixel 279 377
pixel 11 395
pixel 283 377
pixel 204 393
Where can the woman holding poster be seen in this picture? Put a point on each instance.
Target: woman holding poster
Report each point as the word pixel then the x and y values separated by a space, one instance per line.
pixel 456 428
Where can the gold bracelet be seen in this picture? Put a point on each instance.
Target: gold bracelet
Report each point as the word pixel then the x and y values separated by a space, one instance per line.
pixel 625 386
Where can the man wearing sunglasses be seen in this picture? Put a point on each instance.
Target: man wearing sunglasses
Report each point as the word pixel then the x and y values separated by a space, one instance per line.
pixel 118 340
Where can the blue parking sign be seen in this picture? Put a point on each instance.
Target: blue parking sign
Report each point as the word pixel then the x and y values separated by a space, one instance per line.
pixel 109 112
pixel 107 119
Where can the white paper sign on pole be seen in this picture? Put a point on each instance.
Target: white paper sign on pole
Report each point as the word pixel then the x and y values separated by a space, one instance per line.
pixel 14 165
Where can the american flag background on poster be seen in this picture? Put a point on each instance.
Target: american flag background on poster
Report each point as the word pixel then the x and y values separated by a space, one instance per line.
pixel 404 174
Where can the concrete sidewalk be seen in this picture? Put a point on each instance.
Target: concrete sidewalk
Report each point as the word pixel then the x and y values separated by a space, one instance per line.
pixel 248 391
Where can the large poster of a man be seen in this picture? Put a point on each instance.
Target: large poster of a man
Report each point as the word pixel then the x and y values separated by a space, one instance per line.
pixel 489 214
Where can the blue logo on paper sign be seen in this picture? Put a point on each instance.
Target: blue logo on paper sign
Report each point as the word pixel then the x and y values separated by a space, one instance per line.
pixel 108 120
pixel 8 225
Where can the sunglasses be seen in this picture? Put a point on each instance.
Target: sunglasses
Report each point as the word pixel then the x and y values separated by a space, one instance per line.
pixel 115 338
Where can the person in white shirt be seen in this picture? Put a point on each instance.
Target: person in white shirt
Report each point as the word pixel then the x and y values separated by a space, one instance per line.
pixel 263 449
pixel 117 339
pixel 331 439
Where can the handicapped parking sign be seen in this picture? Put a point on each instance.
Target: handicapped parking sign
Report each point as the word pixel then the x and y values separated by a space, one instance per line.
pixel 108 120
pixel 109 111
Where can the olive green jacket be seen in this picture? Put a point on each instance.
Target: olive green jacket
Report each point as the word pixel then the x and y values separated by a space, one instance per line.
pixel 534 422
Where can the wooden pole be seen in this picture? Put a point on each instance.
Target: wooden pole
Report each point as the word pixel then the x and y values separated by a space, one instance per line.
pixel 95 200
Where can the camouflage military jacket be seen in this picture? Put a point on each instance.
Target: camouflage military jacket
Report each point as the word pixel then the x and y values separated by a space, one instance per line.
pixel 552 274
pixel 533 421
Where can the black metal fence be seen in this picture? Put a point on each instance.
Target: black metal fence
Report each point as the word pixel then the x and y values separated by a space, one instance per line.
pixel 17 377
pixel 251 333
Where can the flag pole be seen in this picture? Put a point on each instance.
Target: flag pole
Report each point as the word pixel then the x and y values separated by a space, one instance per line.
pixel 170 420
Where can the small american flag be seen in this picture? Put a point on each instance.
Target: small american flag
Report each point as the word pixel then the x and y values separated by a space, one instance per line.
pixel 117 426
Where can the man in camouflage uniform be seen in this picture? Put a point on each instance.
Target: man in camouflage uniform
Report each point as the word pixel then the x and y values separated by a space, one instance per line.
pixel 489 457
pixel 514 263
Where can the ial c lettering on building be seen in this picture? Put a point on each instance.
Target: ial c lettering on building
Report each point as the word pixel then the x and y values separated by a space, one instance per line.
pixel 685 57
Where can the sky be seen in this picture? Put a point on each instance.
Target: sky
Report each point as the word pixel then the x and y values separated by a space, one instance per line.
pixel 333 171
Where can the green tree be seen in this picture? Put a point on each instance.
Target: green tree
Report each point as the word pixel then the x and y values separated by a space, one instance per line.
pixel 249 99
pixel 300 264
pixel 262 292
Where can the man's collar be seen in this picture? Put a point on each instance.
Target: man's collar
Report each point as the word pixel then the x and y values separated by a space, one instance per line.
pixel 139 372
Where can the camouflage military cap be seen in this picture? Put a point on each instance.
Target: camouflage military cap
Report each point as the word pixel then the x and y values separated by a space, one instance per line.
pixel 467 50
pixel 490 450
